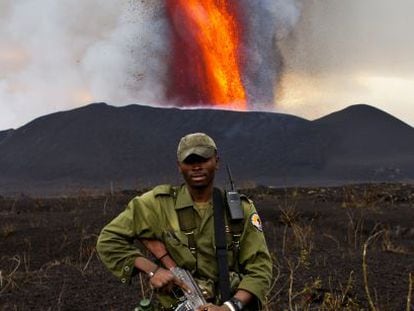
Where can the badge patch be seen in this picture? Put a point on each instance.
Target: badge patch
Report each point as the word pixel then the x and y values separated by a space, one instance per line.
pixel 256 222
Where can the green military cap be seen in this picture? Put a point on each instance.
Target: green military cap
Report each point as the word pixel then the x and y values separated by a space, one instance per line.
pixel 196 143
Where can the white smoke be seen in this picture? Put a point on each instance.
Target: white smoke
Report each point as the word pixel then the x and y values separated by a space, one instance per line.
pixel 347 52
pixel 130 65
pixel 56 55
pixel 266 22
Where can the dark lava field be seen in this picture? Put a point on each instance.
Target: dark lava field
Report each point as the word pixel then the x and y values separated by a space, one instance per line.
pixel 334 248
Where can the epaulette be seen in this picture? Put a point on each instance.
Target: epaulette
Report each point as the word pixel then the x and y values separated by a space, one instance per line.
pixel 163 190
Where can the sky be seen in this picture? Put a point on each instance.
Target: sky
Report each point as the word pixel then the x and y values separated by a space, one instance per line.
pixel 349 52
pixel 59 55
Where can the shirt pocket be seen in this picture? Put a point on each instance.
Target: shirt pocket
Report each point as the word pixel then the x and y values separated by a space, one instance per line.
pixel 177 246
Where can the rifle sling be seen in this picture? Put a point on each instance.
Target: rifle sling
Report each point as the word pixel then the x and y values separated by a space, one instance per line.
pixel 221 245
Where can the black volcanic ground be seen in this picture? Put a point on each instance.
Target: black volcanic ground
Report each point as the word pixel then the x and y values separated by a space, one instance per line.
pixel 135 146
pixel 315 235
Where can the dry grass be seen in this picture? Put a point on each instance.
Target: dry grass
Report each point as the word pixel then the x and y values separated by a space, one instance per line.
pixel 296 284
pixel 7 230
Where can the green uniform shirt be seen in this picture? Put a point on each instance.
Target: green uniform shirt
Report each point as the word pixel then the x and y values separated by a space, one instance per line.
pixel 153 215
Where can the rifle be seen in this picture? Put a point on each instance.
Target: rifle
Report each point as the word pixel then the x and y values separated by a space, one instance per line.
pixel 193 300
pixel 189 301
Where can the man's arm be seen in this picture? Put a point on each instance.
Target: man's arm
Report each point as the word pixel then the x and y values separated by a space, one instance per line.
pixel 159 277
pixel 241 295
pixel 119 254
pixel 254 258
pixel 244 296
pixel 158 249
pixel 115 244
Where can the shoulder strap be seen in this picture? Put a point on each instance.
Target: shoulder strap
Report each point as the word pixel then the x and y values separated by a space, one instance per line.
pixel 186 219
pixel 236 228
pixel 163 190
pixel 221 244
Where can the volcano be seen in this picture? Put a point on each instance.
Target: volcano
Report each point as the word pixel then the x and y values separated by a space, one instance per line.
pixel 99 145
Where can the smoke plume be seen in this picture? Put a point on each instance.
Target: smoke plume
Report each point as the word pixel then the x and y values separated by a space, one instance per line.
pixel 57 55
pixel 265 22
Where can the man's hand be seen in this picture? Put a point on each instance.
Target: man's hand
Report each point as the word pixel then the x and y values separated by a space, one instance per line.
pixel 163 278
pixel 211 307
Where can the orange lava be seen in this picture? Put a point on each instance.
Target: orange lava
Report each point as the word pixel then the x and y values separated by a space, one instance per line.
pixel 212 29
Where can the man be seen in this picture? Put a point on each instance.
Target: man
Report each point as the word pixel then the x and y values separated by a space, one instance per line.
pixel 177 225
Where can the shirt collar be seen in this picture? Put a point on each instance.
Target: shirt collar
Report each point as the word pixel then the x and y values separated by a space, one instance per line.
pixel 183 198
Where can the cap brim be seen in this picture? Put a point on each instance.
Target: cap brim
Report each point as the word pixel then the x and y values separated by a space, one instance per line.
pixel 202 151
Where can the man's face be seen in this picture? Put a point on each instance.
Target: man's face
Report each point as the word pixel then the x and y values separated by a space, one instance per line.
pixel 198 172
